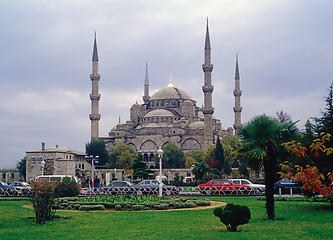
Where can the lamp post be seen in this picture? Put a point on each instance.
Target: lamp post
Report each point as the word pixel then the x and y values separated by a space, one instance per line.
pixel 93 159
pixel 160 155
pixel 36 159
pixel 43 165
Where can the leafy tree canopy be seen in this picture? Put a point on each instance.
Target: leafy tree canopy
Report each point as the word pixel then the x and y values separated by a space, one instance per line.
pixel 194 156
pixel 173 157
pixel 140 168
pixel 121 156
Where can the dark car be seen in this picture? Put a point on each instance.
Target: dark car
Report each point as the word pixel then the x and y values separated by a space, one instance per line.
pixel 222 187
pixel 5 189
pixel 151 187
pixel 118 188
pixel 287 186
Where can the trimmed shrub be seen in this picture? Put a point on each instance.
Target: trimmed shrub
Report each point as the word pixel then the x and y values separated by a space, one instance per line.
pixel 189 204
pixel 233 216
pixel 162 206
pixel 118 207
pixel 202 203
pixel 91 207
pixel 138 207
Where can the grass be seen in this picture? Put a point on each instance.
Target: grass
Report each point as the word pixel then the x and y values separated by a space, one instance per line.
pixel 299 220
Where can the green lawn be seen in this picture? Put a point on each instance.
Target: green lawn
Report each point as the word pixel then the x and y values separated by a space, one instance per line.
pixel 298 220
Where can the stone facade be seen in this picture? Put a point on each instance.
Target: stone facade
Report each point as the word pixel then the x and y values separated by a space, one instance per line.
pixel 8 175
pixel 58 161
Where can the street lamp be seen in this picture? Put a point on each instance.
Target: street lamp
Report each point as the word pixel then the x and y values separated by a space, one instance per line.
pixel 93 159
pixel 35 159
pixel 160 155
pixel 43 165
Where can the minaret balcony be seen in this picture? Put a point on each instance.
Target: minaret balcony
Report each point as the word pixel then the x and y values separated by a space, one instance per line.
pixel 95 77
pixel 208 89
pixel 95 117
pixel 95 97
pixel 207 67
pixel 208 110
pixel 237 109
pixel 237 93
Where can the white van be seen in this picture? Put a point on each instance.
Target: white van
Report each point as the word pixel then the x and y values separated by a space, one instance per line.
pixel 55 178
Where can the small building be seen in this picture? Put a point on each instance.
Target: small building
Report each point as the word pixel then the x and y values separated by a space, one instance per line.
pixel 57 161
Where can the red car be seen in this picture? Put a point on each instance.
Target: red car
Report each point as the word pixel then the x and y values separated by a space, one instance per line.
pixel 223 187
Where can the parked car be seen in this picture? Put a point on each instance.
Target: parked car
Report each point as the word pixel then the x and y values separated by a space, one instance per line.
pixel 4 185
pixel 20 185
pixel 5 189
pixel 56 178
pixel 151 187
pixel 222 186
pixel 260 187
pixel 289 186
pixel 118 188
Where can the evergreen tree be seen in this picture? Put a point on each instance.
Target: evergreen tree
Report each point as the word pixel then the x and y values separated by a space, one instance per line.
pixel 97 148
pixel 22 167
pixel 140 168
pixel 219 154
pixel 227 168
pixel 325 123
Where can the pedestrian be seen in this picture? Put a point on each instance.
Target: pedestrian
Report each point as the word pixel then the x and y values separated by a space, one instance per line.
pixel 97 181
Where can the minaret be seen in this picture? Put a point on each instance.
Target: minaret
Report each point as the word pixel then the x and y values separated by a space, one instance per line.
pixel 207 88
pixel 146 96
pixel 95 96
pixel 237 94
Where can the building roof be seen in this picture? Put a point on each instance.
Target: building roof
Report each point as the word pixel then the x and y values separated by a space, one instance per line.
pixel 159 113
pixel 58 150
pixel 170 93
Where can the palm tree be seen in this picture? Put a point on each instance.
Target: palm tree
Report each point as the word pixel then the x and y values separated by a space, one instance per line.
pixel 262 138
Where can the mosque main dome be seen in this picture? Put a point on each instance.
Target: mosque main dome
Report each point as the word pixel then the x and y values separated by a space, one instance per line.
pixel 170 93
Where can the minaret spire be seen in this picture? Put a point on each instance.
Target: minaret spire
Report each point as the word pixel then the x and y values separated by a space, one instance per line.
pixel 95 96
pixel 146 96
pixel 237 94
pixel 207 89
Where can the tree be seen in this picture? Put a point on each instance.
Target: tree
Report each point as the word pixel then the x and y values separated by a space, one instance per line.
pixel 230 145
pixel 97 148
pixel 121 156
pixel 242 169
pixel 140 168
pixel 310 176
pixel 325 123
pixel 227 168
pixel 200 170
pixel 194 156
pixel 219 154
pixel 283 117
pixel 22 167
pixel 262 139
pixel 173 157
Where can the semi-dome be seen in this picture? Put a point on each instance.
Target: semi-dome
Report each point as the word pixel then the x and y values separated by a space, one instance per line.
pixel 160 113
pixel 197 125
pixel 170 93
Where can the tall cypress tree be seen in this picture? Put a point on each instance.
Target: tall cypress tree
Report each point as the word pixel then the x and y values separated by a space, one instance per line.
pixel 219 154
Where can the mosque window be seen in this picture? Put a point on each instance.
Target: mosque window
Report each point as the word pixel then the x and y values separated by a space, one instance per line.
pixel 149 146
pixel 190 144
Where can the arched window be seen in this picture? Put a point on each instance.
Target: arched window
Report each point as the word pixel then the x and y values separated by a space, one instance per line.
pixel 190 144
pixel 149 146
pixel 133 146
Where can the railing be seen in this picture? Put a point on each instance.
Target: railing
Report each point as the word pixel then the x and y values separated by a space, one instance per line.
pixel 15 192
pixel 231 191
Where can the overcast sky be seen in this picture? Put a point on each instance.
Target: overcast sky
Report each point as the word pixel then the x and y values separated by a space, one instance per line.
pixel 285 58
